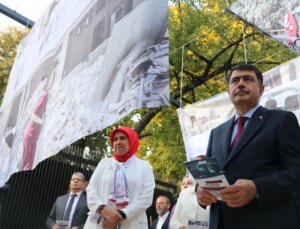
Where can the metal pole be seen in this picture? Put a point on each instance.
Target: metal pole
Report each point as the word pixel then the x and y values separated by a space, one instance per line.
pixel 16 16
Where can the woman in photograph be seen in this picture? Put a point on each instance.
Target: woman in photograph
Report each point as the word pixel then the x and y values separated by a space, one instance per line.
pixel 33 128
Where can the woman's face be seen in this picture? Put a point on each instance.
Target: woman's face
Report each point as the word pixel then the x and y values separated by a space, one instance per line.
pixel 186 182
pixel 120 143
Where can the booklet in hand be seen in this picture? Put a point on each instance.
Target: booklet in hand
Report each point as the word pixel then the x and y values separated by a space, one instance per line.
pixel 208 175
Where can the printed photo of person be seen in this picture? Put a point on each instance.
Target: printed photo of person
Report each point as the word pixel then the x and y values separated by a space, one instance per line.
pixel 32 131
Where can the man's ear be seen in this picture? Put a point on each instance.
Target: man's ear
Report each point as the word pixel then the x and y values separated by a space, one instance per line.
pixel 261 90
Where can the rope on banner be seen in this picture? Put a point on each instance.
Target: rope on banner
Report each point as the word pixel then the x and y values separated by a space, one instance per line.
pixel 199 36
pixel 244 42
pixel 181 77
pixel 281 51
pixel 227 4
pixel 183 46
pixel 181 86
pixel 182 56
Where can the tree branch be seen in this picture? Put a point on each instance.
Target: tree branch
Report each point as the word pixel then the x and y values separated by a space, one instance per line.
pixel 146 120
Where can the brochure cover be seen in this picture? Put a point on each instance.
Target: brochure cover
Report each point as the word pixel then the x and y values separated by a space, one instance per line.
pixel 208 175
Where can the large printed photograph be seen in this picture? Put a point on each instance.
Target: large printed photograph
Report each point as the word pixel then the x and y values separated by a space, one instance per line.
pixel 83 66
pixel 280 19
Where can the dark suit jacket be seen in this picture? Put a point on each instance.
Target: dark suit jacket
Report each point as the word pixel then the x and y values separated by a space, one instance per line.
pixel 268 153
pixel 165 224
pixel 57 212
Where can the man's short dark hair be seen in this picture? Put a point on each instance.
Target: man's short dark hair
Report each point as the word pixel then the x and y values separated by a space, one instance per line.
pixel 248 67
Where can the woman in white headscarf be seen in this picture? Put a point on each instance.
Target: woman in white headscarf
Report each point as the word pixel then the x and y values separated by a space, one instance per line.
pixel 187 208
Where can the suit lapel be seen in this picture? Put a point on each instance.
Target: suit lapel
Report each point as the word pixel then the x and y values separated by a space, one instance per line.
pixel 225 143
pixel 166 223
pixel 155 223
pixel 79 203
pixel 255 123
pixel 63 204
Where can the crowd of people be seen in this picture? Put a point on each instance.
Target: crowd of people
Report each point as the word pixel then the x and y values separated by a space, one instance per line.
pixel 258 150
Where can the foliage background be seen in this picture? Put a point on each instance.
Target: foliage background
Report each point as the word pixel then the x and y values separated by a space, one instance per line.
pixel 205 42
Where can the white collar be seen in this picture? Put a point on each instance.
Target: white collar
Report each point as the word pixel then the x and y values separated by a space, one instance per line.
pixel 77 193
pixel 164 216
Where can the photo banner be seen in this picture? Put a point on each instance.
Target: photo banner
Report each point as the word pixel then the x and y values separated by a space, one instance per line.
pixel 278 19
pixel 282 91
pixel 83 66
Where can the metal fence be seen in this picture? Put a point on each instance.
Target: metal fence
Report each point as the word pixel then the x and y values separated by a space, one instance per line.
pixel 27 199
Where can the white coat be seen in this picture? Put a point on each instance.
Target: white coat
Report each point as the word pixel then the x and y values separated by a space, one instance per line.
pixel 140 182
pixel 187 208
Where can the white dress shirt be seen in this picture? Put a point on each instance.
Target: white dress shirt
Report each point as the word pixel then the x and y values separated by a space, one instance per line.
pixel 161 220
pixel 76 199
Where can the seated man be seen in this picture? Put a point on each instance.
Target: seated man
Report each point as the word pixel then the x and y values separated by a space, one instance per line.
pixel 71 207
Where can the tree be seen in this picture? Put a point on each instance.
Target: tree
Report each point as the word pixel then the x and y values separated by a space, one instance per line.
pixel 211 41
pixel 9 40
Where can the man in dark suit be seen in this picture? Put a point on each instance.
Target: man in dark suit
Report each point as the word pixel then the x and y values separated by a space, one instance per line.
pixel 262 166
pixel 162 205
pixel 297 200
pixel 72 207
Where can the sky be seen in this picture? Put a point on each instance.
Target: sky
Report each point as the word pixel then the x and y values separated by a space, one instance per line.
pixel 28 8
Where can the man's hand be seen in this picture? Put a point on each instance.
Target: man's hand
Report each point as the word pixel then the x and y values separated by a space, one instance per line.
pixel 239 194
pixel 54 226
pixel 112 216
pixel 74 228
pixel 205 198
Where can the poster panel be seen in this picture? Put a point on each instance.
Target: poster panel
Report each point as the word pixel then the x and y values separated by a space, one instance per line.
pixel 84 66
pixel 280 19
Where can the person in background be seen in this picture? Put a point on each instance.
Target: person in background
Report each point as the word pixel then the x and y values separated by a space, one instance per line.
pixel 297 202
pixel 186 182
pixel 187 207
pixel 121 188
pixel 162 205
pixel 71 207
pixel 259 151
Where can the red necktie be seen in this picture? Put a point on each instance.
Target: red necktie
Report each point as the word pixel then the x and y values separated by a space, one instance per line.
pixel 240 122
